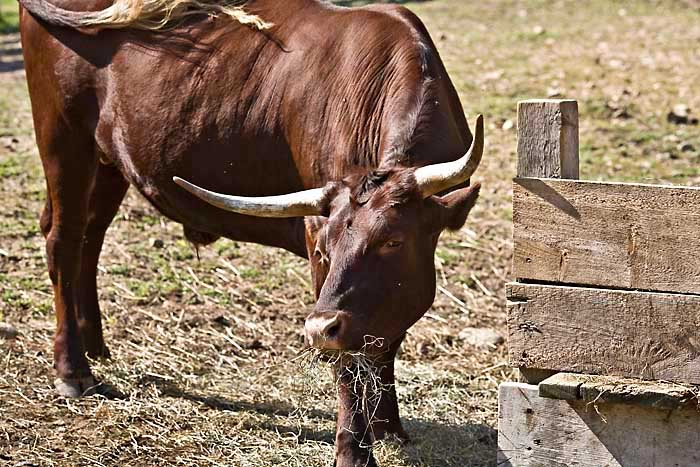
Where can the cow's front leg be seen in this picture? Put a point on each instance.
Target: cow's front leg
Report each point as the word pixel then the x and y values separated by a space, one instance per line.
pixel 353 440
pixel 70 166
pixel 385 419
pixel 107 194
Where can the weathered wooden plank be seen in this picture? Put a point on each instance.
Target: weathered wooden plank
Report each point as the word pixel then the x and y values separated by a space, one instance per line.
pixel 535 432
pixel 612 389
pixel 611 332
pixel 564 386
pixel 607 234
pixel 534 375
pixel 548 138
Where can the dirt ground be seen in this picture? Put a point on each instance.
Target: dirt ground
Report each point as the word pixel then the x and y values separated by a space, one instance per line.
pixel 206 349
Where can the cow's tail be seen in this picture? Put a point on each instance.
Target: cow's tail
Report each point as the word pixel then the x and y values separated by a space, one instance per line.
pixel 141 14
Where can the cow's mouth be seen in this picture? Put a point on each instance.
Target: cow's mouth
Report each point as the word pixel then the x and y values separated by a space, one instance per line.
pixel 336 331
pixel 348 360
pixel 372 351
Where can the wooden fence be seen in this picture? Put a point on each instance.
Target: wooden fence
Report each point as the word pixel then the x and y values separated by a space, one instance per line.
pixel 607 283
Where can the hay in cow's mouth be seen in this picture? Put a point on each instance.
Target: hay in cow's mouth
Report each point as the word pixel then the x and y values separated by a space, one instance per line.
pixel 361 369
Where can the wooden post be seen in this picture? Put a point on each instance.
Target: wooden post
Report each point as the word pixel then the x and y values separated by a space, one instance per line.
pixel 535 431
pixel 580 419
pixel 547 148
pixel 548 138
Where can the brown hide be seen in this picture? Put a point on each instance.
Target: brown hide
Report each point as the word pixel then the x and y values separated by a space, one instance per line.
pixel 327 94
pixel 223 106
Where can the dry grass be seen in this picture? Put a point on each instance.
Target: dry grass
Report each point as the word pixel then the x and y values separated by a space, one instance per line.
pixel 206 351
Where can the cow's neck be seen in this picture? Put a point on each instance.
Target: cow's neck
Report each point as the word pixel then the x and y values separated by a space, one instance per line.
pixel 354 94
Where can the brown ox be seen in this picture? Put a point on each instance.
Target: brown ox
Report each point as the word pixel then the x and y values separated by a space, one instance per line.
pixel 349 110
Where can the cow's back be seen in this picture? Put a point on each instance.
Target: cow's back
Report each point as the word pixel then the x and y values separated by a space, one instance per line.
pixel 241 111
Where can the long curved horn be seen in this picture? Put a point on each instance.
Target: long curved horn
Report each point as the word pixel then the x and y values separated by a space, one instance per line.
pixel 435 178
pixel 299 204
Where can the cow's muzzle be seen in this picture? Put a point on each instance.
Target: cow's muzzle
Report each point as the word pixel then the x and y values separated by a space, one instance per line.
pixel 327 330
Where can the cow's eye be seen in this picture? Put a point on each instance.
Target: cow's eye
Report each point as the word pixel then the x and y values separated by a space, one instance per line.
pixel 393 244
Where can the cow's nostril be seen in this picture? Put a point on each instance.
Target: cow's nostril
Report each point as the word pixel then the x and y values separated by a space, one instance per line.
pixel 333 330
pixel 326 329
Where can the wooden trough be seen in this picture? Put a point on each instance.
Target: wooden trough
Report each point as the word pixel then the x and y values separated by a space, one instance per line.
pixel 604 315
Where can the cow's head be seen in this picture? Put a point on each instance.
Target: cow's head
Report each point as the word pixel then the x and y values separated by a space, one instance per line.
pixel 371 240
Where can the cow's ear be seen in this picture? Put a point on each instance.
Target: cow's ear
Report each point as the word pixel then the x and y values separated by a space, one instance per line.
pixel 455 207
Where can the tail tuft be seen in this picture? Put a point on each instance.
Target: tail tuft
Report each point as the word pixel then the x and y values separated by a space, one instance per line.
pixel 143 14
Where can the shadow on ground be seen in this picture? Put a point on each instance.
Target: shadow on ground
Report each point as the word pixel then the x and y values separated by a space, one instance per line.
pixel 10 53
pixel 432 443
pixel 7 27
pixel 170 389
pixel 436 444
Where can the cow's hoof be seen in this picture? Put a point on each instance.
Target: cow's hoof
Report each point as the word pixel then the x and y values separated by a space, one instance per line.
pixel 75 388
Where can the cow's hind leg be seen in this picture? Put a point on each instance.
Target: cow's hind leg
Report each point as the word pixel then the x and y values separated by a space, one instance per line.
pixel 107 194
pixel 70 166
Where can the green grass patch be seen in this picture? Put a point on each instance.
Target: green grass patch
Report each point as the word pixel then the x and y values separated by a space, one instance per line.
pixel 9 16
